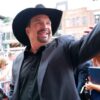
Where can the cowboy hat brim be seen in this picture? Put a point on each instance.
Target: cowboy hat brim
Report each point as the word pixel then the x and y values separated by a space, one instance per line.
pixel 22 19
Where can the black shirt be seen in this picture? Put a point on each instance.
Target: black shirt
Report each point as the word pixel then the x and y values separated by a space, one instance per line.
pixel 28 76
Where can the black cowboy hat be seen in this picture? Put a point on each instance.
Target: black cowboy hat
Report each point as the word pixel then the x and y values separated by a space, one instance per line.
pixel 22 19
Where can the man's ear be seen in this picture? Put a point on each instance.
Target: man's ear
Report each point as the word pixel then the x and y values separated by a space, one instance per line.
pixel 27 30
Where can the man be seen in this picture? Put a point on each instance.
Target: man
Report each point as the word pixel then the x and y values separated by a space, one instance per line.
pixel 44 71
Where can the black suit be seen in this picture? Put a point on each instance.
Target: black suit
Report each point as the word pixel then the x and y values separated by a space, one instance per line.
pixel 55 73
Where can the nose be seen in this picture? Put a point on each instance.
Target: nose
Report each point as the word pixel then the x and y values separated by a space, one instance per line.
pixel 44 25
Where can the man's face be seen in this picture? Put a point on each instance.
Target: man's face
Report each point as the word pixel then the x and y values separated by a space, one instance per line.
pixel 39 30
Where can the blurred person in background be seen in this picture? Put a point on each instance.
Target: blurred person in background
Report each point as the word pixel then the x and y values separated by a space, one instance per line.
pixel 3 69
pixel 81 75
pixel 4 77
pixel 91 86
pixel 11 58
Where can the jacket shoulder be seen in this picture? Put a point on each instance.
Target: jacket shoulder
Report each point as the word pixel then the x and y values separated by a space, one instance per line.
pixel 65 39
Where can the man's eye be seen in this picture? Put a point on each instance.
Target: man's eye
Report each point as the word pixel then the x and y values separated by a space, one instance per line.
pixel 49 23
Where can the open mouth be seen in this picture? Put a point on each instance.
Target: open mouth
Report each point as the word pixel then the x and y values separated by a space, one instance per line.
pixel 43 33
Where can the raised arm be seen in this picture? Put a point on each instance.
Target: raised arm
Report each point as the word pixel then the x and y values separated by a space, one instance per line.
pixel 87 47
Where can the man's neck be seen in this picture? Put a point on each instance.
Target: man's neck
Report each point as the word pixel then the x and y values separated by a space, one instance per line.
pixel 35 48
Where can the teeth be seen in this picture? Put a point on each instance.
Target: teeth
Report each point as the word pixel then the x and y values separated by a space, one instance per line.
pixel 43 33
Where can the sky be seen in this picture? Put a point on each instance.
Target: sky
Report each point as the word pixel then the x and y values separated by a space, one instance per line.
pixel 10 8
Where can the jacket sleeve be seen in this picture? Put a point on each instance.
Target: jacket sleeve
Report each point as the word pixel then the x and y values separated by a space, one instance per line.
pixel 86 48
pixel 12 83
pixel 15 74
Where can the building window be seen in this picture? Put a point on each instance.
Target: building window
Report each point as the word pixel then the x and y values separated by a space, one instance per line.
pixel 67 22
pixel 7 36
pixel 97 18
pixel 5 46
pixel 76 21
pixel 84 21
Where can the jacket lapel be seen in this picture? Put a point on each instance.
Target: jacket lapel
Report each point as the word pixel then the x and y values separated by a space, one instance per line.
pixel 46 56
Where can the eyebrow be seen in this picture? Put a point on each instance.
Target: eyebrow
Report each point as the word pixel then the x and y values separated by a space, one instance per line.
pixel 35 19
pixel 32 20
